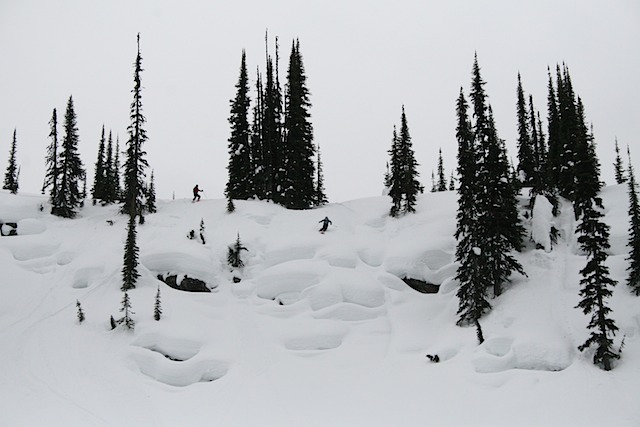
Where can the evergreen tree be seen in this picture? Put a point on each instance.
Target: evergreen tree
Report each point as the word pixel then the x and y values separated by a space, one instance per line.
pixel 151 196
pixel 442 180
pixel 434 188
pixel 633 280
pixel 320 196
pixel 586 168
pixel 51 160
pixel 157 307
pixel 297 172
pixel 554 143
pixel 98 192
pixel 116 171
pixel 128 321
pixel 80 314
pixel 258 162
pixel 395 181
pixel 596 287
pixel 239 184
pixel 112 177
pixel 488 228
pixel 202 239
pixel 69 195
pixel 130 273
pixel 526 163
pixel 233 255
pixel 135 163
pixel 452 182
pixel 11 176
pixel 619 167
pixel 272 136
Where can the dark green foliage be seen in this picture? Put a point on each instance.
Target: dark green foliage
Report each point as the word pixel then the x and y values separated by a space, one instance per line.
pixel 452 182
pixel 68 197
pixel 596 287
pixel 526 147
pixel 230 206
pixel 135 164
pixel 633 280
pixel 404 171
pixel 488 225
pixel 99 189
pixel 442 180
pixel 240 182
pixel 202 239
pixel 233 255
pixel 320 195
pixel 112 323
pixel 619 167
pixel 130 269
pixel 150 194
pixel 295 178
pixel 127 320
pixel 11 176
pixel 51 160
pixel 80 314
pixel 157 306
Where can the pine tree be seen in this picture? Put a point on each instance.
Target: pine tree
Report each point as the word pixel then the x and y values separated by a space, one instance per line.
pixel 554 143
pixel 202 239
pixel 110 174
pixel 80 314
pixel 586 168
pixel 233 255
pixel 320 195
pixel 239 184
pixel 404 171
pixel 526 164
pixel 116 172
pixel 135 163
pixel 69 195
pixel 452 182
pixel 128 321
pixel 395 181
pixel 130 273
pixel 157 307
pixel 258 162
pixel 11 176
pixel 488 228
pixel 619 167
pixel 98 192
pixel 633 279
pixel 51 160
pixel 596 287
pixel 272 141
pixel 151 196
pixel 297 173
pixel 442 180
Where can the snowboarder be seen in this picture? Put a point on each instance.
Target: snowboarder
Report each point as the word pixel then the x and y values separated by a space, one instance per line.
pixel 325 224
pixel 196 192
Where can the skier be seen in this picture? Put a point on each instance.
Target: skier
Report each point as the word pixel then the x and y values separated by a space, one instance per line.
pixel 325 224
pixel 196 192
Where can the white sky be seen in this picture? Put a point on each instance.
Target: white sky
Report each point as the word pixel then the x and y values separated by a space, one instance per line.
pixel 364 60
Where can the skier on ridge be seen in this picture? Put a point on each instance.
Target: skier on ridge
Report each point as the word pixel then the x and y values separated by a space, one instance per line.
pixel 196 192
pixel 325 224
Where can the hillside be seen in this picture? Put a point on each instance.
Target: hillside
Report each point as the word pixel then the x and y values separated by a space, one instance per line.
pixel 320 331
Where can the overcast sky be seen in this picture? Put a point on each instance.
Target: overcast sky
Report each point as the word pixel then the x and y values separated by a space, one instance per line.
pixel 364 59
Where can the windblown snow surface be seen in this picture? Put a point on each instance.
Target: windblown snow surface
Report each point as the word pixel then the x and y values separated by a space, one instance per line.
pixel 321 330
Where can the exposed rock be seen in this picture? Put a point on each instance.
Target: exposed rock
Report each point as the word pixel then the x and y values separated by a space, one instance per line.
pixel 188 284
pixel 421 285
pixel 9 228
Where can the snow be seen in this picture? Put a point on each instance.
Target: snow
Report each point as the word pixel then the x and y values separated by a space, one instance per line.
pixel 321 331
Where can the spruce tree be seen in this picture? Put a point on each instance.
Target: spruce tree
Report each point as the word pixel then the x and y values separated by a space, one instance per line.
pixel 130 273
pixel 258 162
pixel 157 307
pixel 297 173
pixel 116 172
pixel 633 279
pixel 127 320
pixel 526 163
pixel 320 195
pixel 554 143
pixel 69 195
pixel 452 182
pixel 135 163
pixel 411 187
pixel 111 184
pixel 442 180
pixel 11 176
pixel 80 312
pixel 51 160
pixel 98 191
pixel 239 184
pixel 233 255
pixel 488 228
pixel 272 136
pixel 395 181
pixel 150 204
pixel 586 168
pixel 596 287
pixel 619 167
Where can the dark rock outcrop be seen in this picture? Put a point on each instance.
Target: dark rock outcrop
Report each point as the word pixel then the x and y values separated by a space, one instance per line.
pixel 421 285
pixel 188 284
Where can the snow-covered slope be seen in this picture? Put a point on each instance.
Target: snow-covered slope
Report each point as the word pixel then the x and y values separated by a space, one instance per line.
pixel 321 330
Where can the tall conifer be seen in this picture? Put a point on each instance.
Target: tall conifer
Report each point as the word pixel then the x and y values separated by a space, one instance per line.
pixel 633 279
pixel 11 176
pixel 442 180
pixel 51 160
pixel 619 167
pixel 98 191
pixel 526 164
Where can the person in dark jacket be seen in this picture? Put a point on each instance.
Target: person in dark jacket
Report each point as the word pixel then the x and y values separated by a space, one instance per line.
pixel 325 224
pixel 196 193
